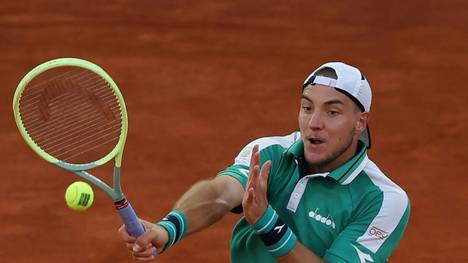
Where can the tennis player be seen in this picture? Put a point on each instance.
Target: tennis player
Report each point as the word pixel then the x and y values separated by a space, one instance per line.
pixel 311 196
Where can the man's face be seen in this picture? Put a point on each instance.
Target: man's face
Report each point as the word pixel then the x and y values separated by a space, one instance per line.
pixel 330 125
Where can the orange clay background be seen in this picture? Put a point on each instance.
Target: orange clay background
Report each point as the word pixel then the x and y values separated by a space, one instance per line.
pixel 203 78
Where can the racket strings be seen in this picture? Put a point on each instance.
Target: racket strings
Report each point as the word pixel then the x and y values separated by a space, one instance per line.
pixel 61 149
pixel 49 91
pixel 63 117
pixel 74 116
pixel 65 141
pixel 86 126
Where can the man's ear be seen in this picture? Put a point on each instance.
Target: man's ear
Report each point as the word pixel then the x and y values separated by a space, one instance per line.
pixel 362 121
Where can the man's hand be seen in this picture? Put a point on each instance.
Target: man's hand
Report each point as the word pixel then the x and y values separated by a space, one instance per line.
pixel 255 200
pixel 155 237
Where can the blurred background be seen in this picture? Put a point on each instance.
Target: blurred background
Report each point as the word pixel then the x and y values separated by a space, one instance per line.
pixel 203 78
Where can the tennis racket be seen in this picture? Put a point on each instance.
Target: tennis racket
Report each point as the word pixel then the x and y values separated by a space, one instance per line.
pixel 72 114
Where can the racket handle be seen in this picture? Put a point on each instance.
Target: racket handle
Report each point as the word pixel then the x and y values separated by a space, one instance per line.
pixel 130 219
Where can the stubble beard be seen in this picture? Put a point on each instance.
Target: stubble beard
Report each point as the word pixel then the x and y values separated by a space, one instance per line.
pixel 331 157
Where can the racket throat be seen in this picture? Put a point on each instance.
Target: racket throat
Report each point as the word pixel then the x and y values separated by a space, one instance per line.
pixel 119 196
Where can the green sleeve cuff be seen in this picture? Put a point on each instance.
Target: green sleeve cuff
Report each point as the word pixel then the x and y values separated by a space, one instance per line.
pixel 266 221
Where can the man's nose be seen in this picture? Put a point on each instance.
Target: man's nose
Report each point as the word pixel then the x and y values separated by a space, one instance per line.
pixel 316 121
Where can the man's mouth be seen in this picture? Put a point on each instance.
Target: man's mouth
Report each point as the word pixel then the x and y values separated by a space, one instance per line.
pixel 316 141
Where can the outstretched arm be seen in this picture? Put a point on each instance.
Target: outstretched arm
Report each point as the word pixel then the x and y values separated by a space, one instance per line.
pixel 203 204
pixel 208 201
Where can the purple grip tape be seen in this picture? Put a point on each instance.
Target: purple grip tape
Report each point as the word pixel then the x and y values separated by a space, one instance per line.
pixel 129 218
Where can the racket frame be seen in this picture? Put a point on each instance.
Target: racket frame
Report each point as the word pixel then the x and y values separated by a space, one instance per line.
pixel 79 169
pixel 123 207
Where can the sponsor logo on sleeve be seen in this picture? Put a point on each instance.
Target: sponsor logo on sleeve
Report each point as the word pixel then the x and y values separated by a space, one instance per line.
pixel 377 232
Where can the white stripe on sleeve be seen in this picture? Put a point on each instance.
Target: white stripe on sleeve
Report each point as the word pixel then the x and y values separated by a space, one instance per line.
pixel 394 204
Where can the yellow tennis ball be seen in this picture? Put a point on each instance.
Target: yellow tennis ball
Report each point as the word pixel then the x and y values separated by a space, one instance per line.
pixel 79 196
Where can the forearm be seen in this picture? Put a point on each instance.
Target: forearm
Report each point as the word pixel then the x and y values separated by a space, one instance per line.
pixel 300 254
pixel 201 206
pixel 208 201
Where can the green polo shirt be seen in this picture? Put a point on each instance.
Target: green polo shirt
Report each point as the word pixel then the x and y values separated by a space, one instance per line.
pixel 352 214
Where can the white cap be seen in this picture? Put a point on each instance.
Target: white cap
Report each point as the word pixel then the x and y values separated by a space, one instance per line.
pixel 351 82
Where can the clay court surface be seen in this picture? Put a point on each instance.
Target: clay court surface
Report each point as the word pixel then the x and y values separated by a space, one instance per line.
pixel 203 78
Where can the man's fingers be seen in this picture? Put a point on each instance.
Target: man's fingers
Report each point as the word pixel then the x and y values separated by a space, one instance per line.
pixel 125 236
pixel 264 174
pixel 130 246
pixel 254 175
pixel 253 163
pixel 251 195
pixel 254 157
pixel 144 252
pixel 144 241
pixel 258 179
pixel 137 248
pixel 247 199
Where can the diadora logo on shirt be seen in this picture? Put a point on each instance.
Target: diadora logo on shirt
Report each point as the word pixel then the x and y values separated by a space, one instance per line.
pixel 377 232
pixel 328 220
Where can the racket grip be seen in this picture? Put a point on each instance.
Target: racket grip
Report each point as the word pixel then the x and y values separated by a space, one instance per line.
pixel 130 219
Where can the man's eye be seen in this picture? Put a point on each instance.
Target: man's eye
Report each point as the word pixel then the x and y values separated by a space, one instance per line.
pixel 332 113
pixel 306 108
